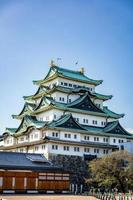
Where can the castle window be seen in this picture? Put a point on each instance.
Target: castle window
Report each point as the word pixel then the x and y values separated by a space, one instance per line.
pixel 31 136
pixel 54 147
pixel 65 84
pixel 121 141
pixel 103 123
pixel 67 135
pixel 85 121
pixel 54 116
pixel 43 147
pixel 70 100
pixel 105 151
pixel 61 99
pixel 105 139
pixel 86 137
pixel 55 134
pixel 96 150
pixel 70 85
pixel 94 122
pixel 114 140
pixel 74 85
pixel 36 148
pixel 86 149
pixel 66 148
pixel 75 136
pixel 96 138
pixel 76 149
pixel 61 83
pixel 8 141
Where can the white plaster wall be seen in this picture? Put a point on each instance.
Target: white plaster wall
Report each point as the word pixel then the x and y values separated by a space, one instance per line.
pixel 50 83
pixel 90 119
pixel 76 83
pixel 71 151
pixel 32 135
pixel 25 139
pixel 59 113
pixel 22 149
pixel 112 119
pixel 117 140
pixel 62 136
pixel 57 95
pixel 91 138
pixel 1 143
pixel 98 101
pixel 43 115
pixel 11 140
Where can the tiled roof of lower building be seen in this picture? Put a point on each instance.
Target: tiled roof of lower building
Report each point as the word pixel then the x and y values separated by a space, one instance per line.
pixel 25 161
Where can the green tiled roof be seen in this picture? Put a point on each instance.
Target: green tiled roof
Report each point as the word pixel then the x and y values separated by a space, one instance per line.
pixel 111 127
pixel 28 108
pixel 62 89
pixel 68 123
pixel 48 103
pixel 111 113
pixel 29 121
pixel 56 71
pixel 10 131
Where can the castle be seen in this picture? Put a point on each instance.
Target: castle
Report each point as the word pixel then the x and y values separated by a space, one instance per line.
pixel 66 116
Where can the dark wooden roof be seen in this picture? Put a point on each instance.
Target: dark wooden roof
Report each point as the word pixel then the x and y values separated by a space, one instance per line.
pixel 26 161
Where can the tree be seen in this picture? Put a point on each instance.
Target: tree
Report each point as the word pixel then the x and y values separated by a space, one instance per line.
pixel 112 171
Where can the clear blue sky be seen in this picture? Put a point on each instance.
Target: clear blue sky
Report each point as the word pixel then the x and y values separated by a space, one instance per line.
pixel 98 34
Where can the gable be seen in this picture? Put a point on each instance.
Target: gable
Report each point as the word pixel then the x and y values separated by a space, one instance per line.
pixel 86 104
pixel 70 123
pixel 118 129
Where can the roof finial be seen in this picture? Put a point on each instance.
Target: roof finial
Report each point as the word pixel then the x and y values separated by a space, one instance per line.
pixel 82 70
pixel 52 64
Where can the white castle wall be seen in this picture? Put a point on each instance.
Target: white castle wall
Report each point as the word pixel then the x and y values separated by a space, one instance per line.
pixel 59 81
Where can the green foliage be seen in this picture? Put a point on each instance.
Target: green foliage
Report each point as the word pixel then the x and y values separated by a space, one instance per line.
pixel 112 171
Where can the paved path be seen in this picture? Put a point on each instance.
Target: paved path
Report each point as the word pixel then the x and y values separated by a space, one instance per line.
pixel 45 197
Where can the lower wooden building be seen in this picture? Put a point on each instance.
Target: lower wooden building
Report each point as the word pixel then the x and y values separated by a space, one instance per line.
pixel 31 173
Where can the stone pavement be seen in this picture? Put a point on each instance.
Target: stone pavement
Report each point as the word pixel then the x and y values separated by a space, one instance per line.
pixel 45 197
